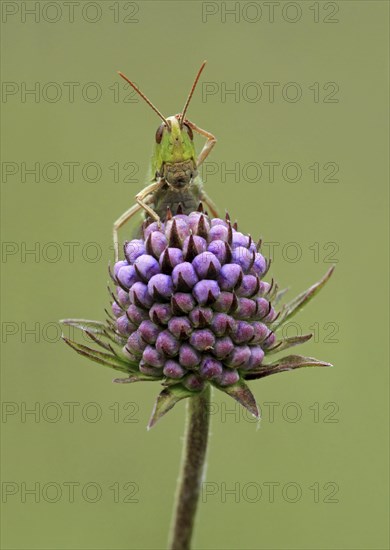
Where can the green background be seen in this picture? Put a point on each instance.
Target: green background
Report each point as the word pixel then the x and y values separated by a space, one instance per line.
pixel 343 450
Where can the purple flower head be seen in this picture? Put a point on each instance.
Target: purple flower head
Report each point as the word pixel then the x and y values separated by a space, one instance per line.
pixel 191 308
pixel 195 301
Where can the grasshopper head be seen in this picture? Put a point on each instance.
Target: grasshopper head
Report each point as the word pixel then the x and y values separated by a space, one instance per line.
pixel 174 158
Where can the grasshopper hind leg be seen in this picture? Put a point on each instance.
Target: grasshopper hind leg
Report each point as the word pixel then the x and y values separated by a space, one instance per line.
pixel 209 203
pixel 119 223
pixel 143 198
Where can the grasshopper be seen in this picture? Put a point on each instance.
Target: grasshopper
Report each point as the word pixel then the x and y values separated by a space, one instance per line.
pixel 175 182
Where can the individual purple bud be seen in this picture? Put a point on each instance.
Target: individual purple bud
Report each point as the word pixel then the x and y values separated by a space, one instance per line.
pixel 224 302
pixel 222 347
pixel 160 313
pixel 179 227
pixel 199 224
pixel 146 266
pixel 124 326
pixel 222 323
pixel 201 316
pixel 229 276
pixel 118 266
pixel 149 370
pixel 116 309
pixel 140 296
pixel 271 316
pixel 179 216
pixel 242 333
pixel 170 258
pixel 156 243
pixel 228 377
pixel 172 369
pixel 122 297
pixel 243 257
pixel 153 357
pixel 136 314
pixel 217 222
pixel 195 245
pixel 127 276
pixel 260 265
pixel 246 308
pixel 263 308
pixel 134 249
pixel 136 344
pixel 255 359
pixel 268 341
pixel 151 228
pixel 239 239
pixel 184 276
pixel 264 288
pixel 210 368
pixel 128 355
pixel 160 287
pixel 206 265
pixel 261 331
pixel 182 303
pixel 202 339
pixel 206 292
pixel 189 357
pixel 203 227
pixel 218 233
pixel 167 344
pixel 180 327
pixel 218 248
pixel 193 382
pixel 238 356
pixel 149 331
pixel 193 220
pixel 249 286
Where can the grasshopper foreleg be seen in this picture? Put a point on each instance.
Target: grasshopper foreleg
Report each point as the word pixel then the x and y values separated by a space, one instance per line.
pixel 142 198
pixel 211 141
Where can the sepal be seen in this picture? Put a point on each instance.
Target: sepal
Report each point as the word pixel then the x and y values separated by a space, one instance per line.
pixel 243 395
pixel 290 362
pixel 301 300
pixel 103 358
pixel 166 400
pixel 288 343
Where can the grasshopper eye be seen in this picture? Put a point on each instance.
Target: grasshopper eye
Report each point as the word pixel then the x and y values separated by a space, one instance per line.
pixel 159 133
pixel 189 131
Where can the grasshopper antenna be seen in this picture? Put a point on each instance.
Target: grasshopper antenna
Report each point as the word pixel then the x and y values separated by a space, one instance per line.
pixel 144 97
pixel 191 93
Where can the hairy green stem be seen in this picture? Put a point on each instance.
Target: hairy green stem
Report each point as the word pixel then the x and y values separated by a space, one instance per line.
pixel 190 480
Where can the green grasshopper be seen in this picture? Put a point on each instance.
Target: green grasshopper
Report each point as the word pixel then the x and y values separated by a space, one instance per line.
pixel 174 168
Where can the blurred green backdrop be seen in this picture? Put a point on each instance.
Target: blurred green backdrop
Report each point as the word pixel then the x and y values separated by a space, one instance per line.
pixel 308 89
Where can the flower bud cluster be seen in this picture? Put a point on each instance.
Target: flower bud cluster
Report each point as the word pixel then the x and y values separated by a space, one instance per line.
pixel 190 304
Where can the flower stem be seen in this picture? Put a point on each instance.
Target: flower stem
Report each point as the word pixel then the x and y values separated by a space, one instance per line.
pixel 192 466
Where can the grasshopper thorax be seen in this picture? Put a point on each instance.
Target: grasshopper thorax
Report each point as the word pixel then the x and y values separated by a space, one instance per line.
pixel 174 159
